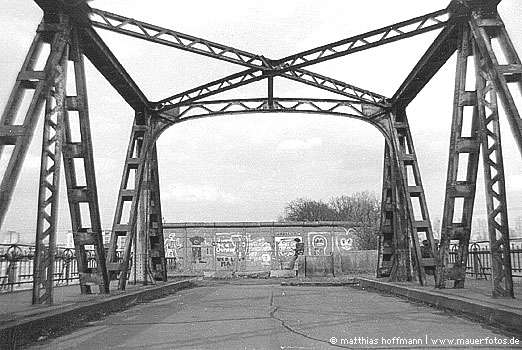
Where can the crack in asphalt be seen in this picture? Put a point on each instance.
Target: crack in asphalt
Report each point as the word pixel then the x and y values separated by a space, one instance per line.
pixel 275 308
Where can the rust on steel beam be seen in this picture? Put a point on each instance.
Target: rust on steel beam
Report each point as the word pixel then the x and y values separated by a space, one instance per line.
pixel 385 35
pixel 504 66
pixel 97 51
pixel 430 63
pixel 76 10
pixel 150 32
pixel 444 46
pixel 483 6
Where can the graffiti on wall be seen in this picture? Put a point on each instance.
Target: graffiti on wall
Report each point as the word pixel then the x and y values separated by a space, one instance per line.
pixel 259 251
pixel 318 243
pixel 250 248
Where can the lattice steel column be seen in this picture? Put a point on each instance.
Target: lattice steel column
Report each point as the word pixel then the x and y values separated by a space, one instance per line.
pixel 151 264
pixel 461 180
pixel 144 131
pixel 393 256
pixel 411 199
pixel 155 239
pixel 498 225
pixel 503 65
pixel 48 195
pixel 81 180
pixel 16 131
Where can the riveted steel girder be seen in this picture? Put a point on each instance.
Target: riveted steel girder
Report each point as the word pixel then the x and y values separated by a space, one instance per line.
pixel 374 38
pixel 414 225
pixel 96 50
pixel 151 220
pixel 464 151
pixel 496 202
pixel 433 59
pixel 48 194
pixel 168 37
pixel 144 132
pixel 257 64
pixel 349 108
pixel 82 192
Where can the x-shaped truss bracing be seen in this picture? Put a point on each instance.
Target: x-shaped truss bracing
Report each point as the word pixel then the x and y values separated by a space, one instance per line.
pixel 287 67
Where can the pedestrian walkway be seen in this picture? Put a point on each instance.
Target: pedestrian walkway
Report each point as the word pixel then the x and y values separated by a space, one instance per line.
pixel 475 300
pixel 21 322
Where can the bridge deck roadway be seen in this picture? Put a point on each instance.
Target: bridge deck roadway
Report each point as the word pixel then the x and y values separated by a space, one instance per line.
pixel 260 314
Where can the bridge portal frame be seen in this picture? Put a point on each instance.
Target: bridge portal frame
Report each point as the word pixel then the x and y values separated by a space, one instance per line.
pixel 467 27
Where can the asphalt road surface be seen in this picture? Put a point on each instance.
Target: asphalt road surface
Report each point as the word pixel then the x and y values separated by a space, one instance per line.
pixel 271 316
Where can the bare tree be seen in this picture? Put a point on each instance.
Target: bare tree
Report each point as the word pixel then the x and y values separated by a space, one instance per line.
pixel 361 207
pixel 303 209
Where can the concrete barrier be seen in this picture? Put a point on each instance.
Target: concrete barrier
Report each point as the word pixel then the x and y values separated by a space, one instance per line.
pixel 359 261
pixel 319 265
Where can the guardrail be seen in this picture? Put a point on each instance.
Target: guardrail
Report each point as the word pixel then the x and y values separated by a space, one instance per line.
pixel 479 259
pixel 17 264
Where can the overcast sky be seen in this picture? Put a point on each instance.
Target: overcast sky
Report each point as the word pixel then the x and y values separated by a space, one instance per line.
pixel 247 167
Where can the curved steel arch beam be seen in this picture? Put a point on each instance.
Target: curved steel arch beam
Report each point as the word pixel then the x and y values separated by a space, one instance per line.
pixel 343 108
pixel 350 108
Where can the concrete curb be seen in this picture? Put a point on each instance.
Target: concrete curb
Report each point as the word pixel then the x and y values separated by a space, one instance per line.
pixel 16 334
pixel 319 284
pixel 498 316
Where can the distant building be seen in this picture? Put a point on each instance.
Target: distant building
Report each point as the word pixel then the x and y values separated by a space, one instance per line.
pixel 15 237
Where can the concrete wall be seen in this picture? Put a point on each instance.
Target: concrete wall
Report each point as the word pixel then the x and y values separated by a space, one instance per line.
pixel 361 261
pixel 244 248
pixel 319 265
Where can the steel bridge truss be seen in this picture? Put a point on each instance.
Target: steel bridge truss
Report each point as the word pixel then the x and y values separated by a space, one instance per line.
pixel 468 27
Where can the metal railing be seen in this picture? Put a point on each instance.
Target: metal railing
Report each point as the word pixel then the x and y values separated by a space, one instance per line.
pixel 479 259
pixel 17 264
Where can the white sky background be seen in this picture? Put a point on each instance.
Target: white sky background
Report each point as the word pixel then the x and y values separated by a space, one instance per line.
pixel 246 168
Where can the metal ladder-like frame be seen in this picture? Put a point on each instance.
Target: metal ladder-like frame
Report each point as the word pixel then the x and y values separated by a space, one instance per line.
pixel 412 222
pixel 494 73
pixel 142 142
pixel 393 253
pixel 464 152
pixel 495 76
pixel 151 222
pixel 48 88
pixel 83 194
